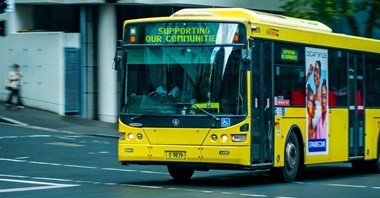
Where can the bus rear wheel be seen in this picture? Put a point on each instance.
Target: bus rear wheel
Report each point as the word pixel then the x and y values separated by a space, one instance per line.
pixel 370 166
pixel 180 173
pixel 374 165
pixel 289 172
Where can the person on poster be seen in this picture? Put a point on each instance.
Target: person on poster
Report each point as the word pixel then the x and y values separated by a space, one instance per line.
pixel 310 112
pixel 315 72
pixel 322 121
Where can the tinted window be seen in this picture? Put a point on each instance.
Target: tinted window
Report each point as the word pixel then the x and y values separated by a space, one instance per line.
pixel 290 74
pixel 372 82
pixel 337 78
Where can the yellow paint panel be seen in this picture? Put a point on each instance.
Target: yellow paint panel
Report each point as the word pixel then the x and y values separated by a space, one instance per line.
pixel 140 152
pixel 337 139
pixel 227 154
pixel 372 130
pixel 176 136
pixel 292 117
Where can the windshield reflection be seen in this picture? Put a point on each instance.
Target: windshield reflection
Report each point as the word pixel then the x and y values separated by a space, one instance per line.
pixel 185 81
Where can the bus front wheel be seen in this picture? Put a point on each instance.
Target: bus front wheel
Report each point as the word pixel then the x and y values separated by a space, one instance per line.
pixel 180 173
pixel 292 160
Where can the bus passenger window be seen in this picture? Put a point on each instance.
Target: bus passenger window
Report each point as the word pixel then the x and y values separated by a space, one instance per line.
pixel 337 78
pixel 289 85
pixel 372 81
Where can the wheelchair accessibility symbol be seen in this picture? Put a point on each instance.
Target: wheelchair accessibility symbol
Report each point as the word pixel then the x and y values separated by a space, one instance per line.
pixel 225 122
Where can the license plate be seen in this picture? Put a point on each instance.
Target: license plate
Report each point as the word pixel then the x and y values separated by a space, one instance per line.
pixel 178 155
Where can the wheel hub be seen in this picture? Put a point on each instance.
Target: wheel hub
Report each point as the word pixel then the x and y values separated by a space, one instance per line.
pixel 291 154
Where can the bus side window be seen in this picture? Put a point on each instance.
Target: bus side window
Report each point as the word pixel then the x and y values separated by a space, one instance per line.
pixel 289 85
pixel 289 74
pixel 298 98
pixel 372 80
pixel 337 70
pixel 332 98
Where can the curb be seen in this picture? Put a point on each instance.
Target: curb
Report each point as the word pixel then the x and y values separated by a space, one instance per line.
pixel 18 123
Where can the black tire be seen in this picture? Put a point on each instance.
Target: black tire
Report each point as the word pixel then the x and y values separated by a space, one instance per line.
pixel 288 173
pixel 180 173
pixel 371 166
pixel 374 165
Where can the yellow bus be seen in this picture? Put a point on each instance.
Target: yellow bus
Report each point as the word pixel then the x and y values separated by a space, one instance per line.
pixel 235 89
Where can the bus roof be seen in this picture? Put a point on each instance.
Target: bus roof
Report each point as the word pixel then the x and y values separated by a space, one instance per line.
pixel 275 26
pixel 279 27
pixel 255 16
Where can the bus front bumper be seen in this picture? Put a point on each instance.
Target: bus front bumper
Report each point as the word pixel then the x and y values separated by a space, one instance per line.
pixel 167 154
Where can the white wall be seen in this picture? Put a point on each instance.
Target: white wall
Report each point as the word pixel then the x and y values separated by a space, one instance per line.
pixel 41 57
pixel 107 94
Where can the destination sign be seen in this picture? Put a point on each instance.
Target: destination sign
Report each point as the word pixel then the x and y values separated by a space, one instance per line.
pixel 289 55
pixel 183 33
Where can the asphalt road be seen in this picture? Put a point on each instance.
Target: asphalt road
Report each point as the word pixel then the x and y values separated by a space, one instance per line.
pixel 47 163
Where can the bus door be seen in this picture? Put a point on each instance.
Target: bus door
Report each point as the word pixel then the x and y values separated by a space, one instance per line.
pixel 262 102
pixel 356 104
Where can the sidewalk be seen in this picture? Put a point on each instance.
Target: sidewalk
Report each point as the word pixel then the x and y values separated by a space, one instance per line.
pixel 49 120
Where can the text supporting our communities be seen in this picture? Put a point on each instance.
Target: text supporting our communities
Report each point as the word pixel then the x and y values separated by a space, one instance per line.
pixel 181 34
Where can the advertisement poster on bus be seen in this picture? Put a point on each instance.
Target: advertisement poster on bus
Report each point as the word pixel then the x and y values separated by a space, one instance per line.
pixel 316 69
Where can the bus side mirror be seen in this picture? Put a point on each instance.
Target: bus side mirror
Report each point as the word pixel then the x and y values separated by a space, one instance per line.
pixel 246 60
pixel 117 59
pixel 119 45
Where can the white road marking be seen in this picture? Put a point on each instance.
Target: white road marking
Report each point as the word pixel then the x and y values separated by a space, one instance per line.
pixel 153 172
pixel 39 136
pixel 64 144
pixel 345 185
pixel 284 197
pixel 141 186
pixel 10 137
pixel 117 169
pixel 47 185
pixel 226 193
pixel 52 179
pixel 253 195
pixel 78 166
pixel 132 185
pixel 12 160
pixel 41 163
pixel 32 188
pixel 13 121
pixel 15 176
pixel 19 158
pixel 111 184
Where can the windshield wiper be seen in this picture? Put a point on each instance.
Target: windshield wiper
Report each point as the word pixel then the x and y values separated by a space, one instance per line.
pixel 206 112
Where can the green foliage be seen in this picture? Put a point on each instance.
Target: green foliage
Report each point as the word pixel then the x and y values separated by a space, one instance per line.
pixel 331 12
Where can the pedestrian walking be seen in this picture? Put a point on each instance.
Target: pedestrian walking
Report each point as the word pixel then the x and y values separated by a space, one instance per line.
pixel 14 86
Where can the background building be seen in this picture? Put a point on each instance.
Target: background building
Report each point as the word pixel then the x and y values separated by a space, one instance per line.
pixel 66 48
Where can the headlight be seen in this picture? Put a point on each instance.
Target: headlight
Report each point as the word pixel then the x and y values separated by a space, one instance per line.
pixel 139 136
pixel 121 136
pixel 224 138
pixel 238 138
pixel 131 136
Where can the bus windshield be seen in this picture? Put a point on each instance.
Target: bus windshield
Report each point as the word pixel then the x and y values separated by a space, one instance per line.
pixel 184 80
